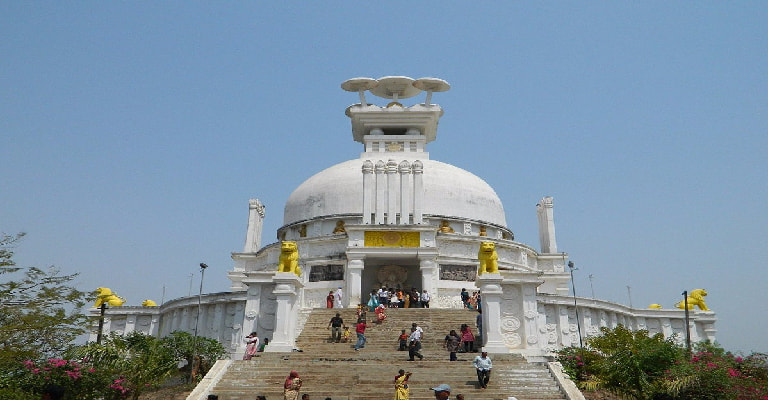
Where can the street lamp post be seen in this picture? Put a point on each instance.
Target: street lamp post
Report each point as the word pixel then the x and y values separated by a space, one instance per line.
pixel 578 320
pixel 103 309
pixel 687 323
pixel 203 266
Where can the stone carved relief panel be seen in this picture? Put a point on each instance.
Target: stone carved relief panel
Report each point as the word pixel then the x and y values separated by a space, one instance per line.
pixel 511 293
pixel 447 301
pixel 466 273
pixel 268 308
pixel 320 273
pixel 392 276
pixel 653 326
pixel 458 249
pixel 144 321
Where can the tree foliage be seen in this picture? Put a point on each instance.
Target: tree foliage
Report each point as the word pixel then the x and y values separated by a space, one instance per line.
pixel 206 350
pixel 135 361
pixel 40 312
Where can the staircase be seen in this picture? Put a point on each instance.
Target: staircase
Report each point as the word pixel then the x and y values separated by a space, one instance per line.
pixel 336 370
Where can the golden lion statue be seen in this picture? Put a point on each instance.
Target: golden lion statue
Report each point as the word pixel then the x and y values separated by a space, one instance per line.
pixel 489 259
pixel 289 258
pixel 695 298
pixel 104 295
pixel 148 303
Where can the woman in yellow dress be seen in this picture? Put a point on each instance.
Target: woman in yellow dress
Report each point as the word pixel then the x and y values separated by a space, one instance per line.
pixel 402 392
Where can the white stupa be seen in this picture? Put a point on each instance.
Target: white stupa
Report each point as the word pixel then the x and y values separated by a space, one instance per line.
pixel 394 217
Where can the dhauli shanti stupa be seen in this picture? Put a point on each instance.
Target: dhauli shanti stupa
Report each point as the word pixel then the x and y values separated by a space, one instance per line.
pixel 395 217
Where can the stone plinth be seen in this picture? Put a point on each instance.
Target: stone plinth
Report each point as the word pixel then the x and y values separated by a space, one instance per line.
pixel 287 286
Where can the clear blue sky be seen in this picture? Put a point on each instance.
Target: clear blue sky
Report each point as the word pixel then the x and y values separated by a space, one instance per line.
pixel 132 134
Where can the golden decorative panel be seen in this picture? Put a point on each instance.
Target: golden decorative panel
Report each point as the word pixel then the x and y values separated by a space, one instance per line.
pixel 392 239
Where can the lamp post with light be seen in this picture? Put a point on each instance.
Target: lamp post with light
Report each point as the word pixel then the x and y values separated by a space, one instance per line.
pixel 687 323
pixel 578 320
pixel 203 266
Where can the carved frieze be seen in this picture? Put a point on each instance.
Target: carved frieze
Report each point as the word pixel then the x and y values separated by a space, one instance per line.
pixel 392 239
pixel 392 276
pixel 458 273
pixel 320 273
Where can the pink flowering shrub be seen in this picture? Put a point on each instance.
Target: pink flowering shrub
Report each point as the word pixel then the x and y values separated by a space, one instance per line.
pixel 713 373
pixel 81 382
pixel 645 367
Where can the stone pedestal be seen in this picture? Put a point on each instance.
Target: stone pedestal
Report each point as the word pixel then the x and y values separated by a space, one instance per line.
pixel 287 287
pixel 490 289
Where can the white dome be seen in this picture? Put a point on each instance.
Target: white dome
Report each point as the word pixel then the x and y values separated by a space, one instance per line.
pixel 449 191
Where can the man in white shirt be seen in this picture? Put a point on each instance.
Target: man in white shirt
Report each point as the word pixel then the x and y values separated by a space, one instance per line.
pixel 483 365
pixel 425 299
pixel 414 345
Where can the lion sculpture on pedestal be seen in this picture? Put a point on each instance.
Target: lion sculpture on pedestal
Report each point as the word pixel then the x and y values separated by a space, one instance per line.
pixel 489 259
pixel 695 298
pixel 105 296
pixel 289 258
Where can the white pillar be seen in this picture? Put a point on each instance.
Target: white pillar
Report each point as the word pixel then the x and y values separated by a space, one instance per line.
pixel 405 193
pixel 490 287
pixel 354 280
pixel 418 191
pixel 428 268
pixel 368 191
pixel 546 214
pixel 287 285
pixel 392 185
pixel 255 224
pixel 381 191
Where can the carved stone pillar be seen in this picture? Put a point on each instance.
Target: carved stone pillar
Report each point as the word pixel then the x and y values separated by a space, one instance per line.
pixel 405 193
pixel 392 196
pixel 354 280
pixel 255 224
pixel 368 191
pixel 429 274
pixel 287 286
pixel 490 287
pixel 381 191
pixel 418 191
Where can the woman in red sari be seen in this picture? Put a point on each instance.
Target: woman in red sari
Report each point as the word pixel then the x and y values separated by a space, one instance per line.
pixel 292 386
pixel 329 300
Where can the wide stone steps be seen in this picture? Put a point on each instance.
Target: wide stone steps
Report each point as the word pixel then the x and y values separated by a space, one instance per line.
pixel 435 323
pixel 337 371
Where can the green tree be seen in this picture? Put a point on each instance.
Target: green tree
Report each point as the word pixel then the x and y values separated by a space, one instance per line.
pixel 40 313
pixel 136 361
pixel 183 346
pixel 628 363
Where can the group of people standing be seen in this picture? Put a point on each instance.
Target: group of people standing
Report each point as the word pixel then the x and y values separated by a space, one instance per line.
pixel 471 302
pixel 399 298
